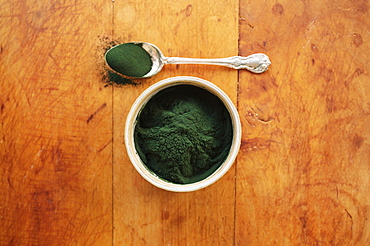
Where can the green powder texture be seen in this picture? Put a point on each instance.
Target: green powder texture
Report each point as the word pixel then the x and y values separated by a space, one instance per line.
pixel 129 59
pixel 183 134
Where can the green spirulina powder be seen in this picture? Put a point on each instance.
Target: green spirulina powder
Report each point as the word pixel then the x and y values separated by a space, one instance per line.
pixel 183 134
pixel 129 59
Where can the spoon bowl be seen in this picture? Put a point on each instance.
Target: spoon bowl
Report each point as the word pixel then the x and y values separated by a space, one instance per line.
pixel 157 57
pixel 256 63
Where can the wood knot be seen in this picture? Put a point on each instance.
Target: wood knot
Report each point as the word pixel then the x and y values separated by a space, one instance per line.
pixel 278 9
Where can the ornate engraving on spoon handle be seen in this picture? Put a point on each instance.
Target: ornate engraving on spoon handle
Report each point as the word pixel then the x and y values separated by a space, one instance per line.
pixel 256 63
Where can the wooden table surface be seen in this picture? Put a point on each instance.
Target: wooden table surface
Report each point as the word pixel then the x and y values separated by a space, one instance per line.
pixel 302 176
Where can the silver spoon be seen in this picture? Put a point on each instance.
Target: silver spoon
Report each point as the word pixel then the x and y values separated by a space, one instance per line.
pixel 256 63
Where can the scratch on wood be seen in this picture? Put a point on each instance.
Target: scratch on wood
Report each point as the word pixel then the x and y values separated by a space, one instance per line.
pixel 255 114
pixel 10 183
pixel 102 148
pixel 256 144
pixel 97 111
pixel 348 213
pixel 188 10
pixel 250 25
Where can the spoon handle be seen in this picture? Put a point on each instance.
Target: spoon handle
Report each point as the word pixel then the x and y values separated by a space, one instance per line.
pixel 256 63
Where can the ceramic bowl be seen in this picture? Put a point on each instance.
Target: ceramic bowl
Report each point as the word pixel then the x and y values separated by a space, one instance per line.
pixel 140 103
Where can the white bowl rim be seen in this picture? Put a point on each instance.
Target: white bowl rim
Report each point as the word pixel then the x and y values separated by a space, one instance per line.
pixel 140 103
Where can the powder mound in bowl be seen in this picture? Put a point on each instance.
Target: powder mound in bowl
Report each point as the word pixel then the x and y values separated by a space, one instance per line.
pixel 183 134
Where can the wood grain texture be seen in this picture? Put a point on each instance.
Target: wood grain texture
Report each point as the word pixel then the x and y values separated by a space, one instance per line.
pixel 144 214
pixel 302 176
pixel 55 131
pixel 303 170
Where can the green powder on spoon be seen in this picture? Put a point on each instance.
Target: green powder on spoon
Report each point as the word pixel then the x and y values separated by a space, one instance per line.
pixel 129 59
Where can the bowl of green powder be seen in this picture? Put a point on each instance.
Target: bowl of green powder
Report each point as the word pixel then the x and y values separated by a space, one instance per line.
pixel 182 134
